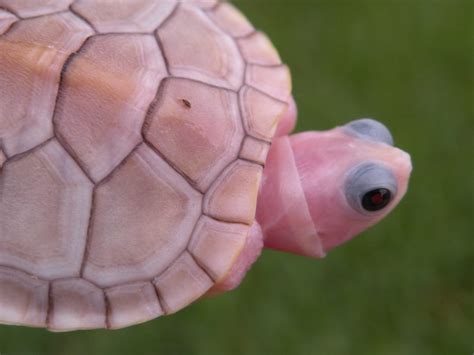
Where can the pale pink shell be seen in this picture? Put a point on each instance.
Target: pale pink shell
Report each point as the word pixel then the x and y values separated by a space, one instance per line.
pixel 132 140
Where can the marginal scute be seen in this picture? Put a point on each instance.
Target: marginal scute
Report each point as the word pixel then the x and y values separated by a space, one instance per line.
pixel 273 80
pixel 216 245
pixel 181 284
pixel 124 16
pixel 34 50
pixel 23 298
pixel 143 219
pixel 261 113
pixel 131 304
pixel 30 8
pixel 197 128
pixel 76 304
pixel 45 202
pixel 233 196
pixel 231 20
pixel 200 50
pixel 104 97
pixel 6 20
pixel 258 49
pixel 254 150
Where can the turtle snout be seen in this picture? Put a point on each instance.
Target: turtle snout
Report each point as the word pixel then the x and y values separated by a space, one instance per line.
pixel 369 128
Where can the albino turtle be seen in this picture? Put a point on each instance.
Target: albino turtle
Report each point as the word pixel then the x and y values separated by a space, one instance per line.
pixel 133 136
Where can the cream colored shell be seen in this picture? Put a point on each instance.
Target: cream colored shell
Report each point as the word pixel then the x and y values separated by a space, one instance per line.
pixel 132 139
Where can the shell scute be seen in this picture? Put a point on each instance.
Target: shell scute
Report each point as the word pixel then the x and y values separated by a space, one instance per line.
pixel 272 80
pixel 261 113
pixel 132 304
pixel 254 150
pixel 124 16
pixel 45 203
pixel 216 245
pixel 231 20
pixel 33 54
pixel 231 196
pixel 76 304
pixel 182 283
pixel 29 8
pixel 197 128
pixel 63 32
pixel 23 300
pixel 104 97
pixel 200 50
pixel 258 49
pixel 133 243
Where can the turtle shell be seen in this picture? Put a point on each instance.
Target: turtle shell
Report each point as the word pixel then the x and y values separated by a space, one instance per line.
pixel 132 141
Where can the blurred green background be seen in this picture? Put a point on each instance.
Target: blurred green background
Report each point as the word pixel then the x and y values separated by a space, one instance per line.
pixel 405 286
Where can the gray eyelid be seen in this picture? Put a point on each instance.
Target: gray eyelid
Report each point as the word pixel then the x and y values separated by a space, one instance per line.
pixel 365 177
pixel 368 128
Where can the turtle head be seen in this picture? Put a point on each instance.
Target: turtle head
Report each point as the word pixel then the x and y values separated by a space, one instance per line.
pixel 347 178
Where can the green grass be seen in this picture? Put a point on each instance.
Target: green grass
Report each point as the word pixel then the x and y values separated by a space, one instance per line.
pixel 405 286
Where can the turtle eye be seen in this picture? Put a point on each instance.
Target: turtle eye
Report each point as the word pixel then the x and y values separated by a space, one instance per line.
pixel 370 187
pixel 377 199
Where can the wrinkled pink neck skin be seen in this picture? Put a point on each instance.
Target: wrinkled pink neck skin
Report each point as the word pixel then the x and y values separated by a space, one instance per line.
pixel 302 207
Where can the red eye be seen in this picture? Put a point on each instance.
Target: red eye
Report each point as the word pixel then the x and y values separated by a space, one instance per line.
pixel 376 199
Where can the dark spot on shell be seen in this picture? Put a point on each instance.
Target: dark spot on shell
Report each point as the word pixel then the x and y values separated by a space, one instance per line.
pixel 186 103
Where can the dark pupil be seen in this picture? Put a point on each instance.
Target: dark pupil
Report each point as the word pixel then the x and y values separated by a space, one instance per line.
pixel 376 199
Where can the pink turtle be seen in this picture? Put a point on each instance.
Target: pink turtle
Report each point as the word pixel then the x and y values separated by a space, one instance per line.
pixel 135 140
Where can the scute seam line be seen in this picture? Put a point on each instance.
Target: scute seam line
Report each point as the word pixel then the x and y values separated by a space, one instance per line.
pixel 21 155
pixel 266 94
pixel 7 9
pixel 204 83
pixel 223 220
pixel 156 34
pixel 201 266
pixel 44 15
pixel 162 52
pixel 159 298
pixel 85 253
pixel 80 16
pixel 144 131
pixel 107 309
pixel 9 28
pixel 50 305
pixel 58 136
pixel 110 175
pixel 252 162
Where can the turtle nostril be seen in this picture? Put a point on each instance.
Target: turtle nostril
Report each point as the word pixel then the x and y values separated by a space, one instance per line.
pixel 370 129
